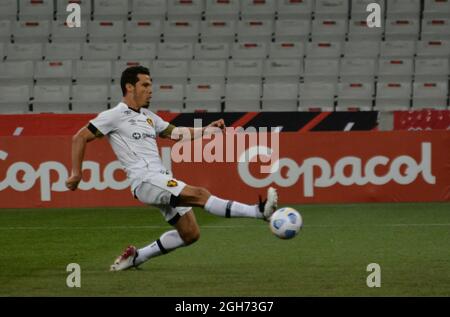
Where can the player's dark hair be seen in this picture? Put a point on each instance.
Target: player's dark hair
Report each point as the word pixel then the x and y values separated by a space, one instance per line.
pixel 130 76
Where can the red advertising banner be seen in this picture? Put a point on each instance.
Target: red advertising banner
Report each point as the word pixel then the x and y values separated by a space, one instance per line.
pixel 422 120
pixel 319 167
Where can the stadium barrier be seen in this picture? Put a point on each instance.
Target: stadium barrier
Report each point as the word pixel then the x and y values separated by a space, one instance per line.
pixel 420 120
pixel 316 167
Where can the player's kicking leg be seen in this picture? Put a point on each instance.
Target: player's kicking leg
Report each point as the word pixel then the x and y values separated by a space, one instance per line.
pixel 201 197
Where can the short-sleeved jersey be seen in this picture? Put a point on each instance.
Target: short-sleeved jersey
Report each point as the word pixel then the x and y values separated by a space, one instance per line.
pixel 132 136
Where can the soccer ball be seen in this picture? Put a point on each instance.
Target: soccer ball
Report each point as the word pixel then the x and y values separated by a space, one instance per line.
pixel 286 223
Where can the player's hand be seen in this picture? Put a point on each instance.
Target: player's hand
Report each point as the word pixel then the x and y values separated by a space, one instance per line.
pixel 218 124
pixel 73 181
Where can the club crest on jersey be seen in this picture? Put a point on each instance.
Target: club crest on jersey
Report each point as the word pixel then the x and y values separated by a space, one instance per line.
pixel 150 121
pixel 172 183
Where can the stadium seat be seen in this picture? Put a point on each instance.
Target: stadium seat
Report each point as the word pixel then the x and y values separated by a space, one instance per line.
pixel 322 49
pixel 258 9
pixel 402 49
pixel 185 9
pixel 360 31
pixel 392 96
pixel 5 30
pixel 111 10
pixel 115 95
pixel 353 96
pixel 222 10
pixel 245 71
pixel 255 30
pixel 436 9
pixel 100 51
pixel 16 73
pixel 53 72
pixel 331 8
pixel 145 9
pixel 293 30
pixel 326 70
pixel 120 66
pixel 51 98
pixel 329 30
pixel 206 96
pixel 242 97
pixel 89 98
pixel 317 96
pixel 167 97
pixel 207 71
pixel 31 31
pixel 2 52
pixel 93 72
pixel 283 70
pixel 62 51
pixel 436 69
pixel 138 51
pixel 399 69
pixel 358 69
pixel 399 9
pixel 144 30
pixel 293 9
pixel 430 95
pixel 212 51
pixel 36 10
pixel 286 50
pixel 218 31
pixel 364 49
pixel 436 29
pixel 436 48
pixel 8 9
pixel 402 29
pixel 175 51
pixel 24 51
pixel 61 9
pixel 249 50
pixel 106 30
pixel 62 33
pixel 359 8
pixel 169 72
pixel 14 99
pixel 181 30
pixel 280 97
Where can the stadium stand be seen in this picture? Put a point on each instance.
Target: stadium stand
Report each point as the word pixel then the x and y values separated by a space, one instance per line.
pixel 233 55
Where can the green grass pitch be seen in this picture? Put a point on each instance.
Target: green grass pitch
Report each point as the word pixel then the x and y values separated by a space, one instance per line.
pixel 234 257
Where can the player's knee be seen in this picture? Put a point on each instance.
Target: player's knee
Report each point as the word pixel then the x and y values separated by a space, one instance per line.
pixel 191 236
pixel 202 192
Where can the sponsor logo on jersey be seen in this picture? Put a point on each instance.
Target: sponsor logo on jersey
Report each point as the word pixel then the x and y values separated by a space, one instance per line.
pixel 172 183
pixel 137 136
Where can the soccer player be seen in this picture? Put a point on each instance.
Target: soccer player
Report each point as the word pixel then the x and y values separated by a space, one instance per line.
pixel 131 130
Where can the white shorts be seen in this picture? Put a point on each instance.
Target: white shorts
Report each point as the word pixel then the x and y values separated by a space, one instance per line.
pixel 156 190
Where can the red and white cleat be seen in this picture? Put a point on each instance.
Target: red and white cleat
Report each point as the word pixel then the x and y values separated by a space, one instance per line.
pixel 126 260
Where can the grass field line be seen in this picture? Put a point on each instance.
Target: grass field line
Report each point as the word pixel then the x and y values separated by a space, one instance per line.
pixel 226 227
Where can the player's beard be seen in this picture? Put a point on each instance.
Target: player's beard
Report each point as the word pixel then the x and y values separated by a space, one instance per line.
pixel 146 105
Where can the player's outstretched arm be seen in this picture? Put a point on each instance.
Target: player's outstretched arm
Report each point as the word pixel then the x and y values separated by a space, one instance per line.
pixel 79 141
pixel 185 133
